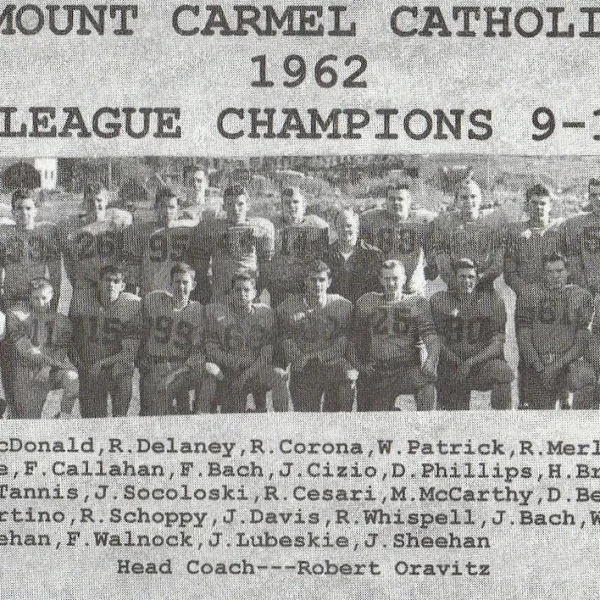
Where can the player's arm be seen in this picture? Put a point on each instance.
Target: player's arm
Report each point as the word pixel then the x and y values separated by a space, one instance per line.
pixel 197 357
pixel 492 350
pixel 438 318
pixel 428 334
pixel 216 351
pixel 498 324
pixel 133 248
pixel 53 261
pixel 265 251
pixel 337 346
pixel 582 320
pixel 495 261
pixel 524 317
pixel 431 270
pixel 359 343
pixel 201 250
pixel 511 271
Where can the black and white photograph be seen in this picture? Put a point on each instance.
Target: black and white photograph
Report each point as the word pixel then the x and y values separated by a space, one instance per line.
pixel 173 286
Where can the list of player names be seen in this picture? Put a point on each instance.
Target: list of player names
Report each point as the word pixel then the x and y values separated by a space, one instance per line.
pixel 364 507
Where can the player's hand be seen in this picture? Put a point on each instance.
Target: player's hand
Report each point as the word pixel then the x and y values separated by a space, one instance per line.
pixel 429 368
pixel 214 370
pixel 281 374
pixel 43 375
pixel 352 375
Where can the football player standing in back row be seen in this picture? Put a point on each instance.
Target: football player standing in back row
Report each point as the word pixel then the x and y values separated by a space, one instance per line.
pixel 93 240
pixel 235 243
pixel 582 234
pixel 301 239
pixel 106 328
pixel 527 242
pixel 314 328
pixel 152 249
pixel 464 234
pixel 400 235
pixel 552 320
pixel 471 323
pixel 28 249
pixel 390 332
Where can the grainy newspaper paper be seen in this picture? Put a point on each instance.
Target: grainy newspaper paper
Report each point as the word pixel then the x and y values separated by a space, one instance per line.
pixel 195 406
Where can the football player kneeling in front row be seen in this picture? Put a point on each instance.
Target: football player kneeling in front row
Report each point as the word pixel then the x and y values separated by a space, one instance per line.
pixel 106 325
pixel 552 332
pixel 471 323
pixel 239 346
pixel 390 331
pixel 314 329
pixel 172 361
pixel 42 338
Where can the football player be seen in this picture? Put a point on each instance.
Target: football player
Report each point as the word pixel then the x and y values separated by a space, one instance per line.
pixel 28 249
pixel 464 233
pixel 527 242
pixel 196 202
pixel 582 234
pixel 42 338
pixel 301 239
pixel 105 326
pixel 93 240
pixel 471 324
pixel 314 329
pixel 354 263
pixel 153 248
pixel 552 320
pixel 238 242
pixel 239 341
pixel 392 331
pixel 172 359
pixel 400 235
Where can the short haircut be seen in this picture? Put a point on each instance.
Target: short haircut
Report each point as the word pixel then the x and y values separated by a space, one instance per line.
pixel 243 275
pixel 163 194
pixel 182 268
pixel 396 187
pixel 20 194
pixel 189 169
pixel 537 190
pixel 112 270
pixel 90 192
pixel 464 263
pixel 388 265
pixel 38 283
pixel 234 191
pixel 554 257
pixel 465 184
pixel 346 208
pixel 317 266
pixel 292 192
